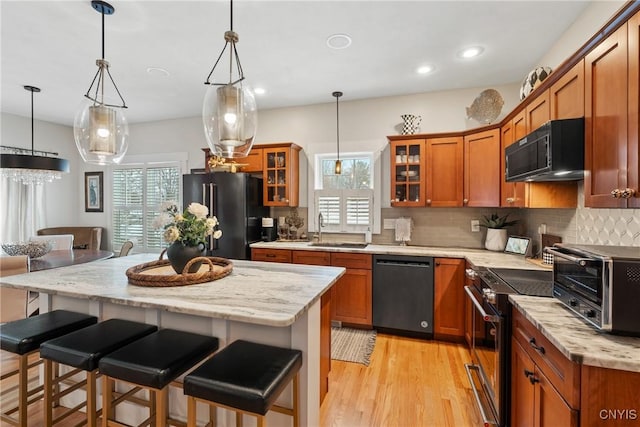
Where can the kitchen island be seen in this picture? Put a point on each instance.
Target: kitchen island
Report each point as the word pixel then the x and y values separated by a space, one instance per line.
pixel 263 302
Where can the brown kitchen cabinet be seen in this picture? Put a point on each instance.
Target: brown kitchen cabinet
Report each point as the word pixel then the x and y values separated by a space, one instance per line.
pixel 566 96
pixel 280 174
pixel 253 162
pixel 351 296
pixel 538 111
pixel 610 390
pixel 271 255
pixel 608 148
pixel 444 171
pixel 482 169
pixel 633 143
pixel 545 385
pixel 408 160
pixel 449 299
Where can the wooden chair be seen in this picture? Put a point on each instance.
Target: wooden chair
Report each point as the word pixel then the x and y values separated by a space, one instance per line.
pixel 61 242
pixel 126 248
pixel 13 302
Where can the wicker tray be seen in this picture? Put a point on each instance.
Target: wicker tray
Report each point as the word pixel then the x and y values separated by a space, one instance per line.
pixel 161 274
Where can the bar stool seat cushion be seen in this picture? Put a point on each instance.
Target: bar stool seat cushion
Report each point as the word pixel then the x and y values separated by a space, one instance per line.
pixel 25 335
pixel 159 358
pixel 244 375
pixel 84 348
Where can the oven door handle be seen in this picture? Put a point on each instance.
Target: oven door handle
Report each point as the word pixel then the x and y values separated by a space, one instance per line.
pixel 577 260
pixel 485 316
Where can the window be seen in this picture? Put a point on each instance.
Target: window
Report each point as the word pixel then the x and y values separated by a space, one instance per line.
pixel 346 200
pixel 138 192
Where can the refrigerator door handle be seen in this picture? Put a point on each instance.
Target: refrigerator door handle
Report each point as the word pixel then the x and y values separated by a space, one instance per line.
pixel 204 194
pixel 212 241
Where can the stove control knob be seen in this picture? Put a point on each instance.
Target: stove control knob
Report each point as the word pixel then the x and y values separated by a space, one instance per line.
pixel 590 313
pixel 489 295
pixel 573 302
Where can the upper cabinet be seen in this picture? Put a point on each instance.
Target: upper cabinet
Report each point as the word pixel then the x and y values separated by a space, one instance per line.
pixel 566 96
pixel 611 147
pixel 280 174
pixel 633 146
pixel 444 171
pixel 482 168
pixel 408 160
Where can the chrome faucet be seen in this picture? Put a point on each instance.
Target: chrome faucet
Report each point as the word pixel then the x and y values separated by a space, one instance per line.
pixel 320 225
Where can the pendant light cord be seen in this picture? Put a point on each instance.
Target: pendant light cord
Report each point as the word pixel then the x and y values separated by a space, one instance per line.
pixel 32 127
pixel 102 13
pixel 338 126
pixel 231 16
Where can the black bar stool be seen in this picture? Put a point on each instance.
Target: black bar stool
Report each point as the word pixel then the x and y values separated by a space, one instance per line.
pixel 151 363
pixel 23 337
pixel 82 350
pixel 245 377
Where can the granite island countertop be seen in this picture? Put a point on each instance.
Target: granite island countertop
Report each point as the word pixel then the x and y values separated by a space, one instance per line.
pixel 478 257
pixel 577 340
pixel 255 292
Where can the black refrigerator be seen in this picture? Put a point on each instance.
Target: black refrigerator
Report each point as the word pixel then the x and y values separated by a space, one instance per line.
pixel 236 200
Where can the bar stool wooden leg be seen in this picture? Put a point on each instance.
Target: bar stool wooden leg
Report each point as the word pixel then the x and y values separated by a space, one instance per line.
pixel 261 421
pixel 296 400
pixel 191 411
pixel 238 419
pixel 23 397
pixel 213 416
pixel 162 410
pixel 92 406
pixel 107 397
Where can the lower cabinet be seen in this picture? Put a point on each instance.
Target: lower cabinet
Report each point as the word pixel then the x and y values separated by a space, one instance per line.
pixel 449 298
pixel 351 295
pixel 545 385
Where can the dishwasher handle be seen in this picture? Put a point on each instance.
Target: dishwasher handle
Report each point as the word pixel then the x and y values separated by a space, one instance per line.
pixel 394 263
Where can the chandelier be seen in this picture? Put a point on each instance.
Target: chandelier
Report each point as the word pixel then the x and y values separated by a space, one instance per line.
pixel 100 128
pixel 31 166
pixel 229 112
pixel 338 168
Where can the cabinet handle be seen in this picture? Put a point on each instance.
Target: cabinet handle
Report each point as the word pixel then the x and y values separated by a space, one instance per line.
pixel 465 201
pixel 528 373
pixel 510 200
pixel 533 380
pixel 437 264
pixel 628 193
pixel 616 193
pixel 532 343
pixel 270 255
pixel 428 201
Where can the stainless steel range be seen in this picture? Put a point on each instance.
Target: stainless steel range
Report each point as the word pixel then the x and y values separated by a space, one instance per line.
pixel 490 369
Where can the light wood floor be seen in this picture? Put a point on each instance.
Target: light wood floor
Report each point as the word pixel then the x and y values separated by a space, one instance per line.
pixel 409 382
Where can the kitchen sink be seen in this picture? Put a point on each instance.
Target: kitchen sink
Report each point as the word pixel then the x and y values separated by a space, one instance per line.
pixel 339 245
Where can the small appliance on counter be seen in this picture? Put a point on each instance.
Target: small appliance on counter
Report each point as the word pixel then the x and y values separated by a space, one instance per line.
pixel 269 230
pixel 601 284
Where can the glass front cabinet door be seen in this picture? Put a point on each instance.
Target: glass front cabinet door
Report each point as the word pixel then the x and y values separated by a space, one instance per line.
pixel 408 172
pixel 280 175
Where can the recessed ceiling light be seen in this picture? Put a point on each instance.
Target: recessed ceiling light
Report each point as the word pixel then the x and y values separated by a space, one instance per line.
pixel 156 71
pixel 259 91
pixel 425 69
pixel 339 41
pixel 470 52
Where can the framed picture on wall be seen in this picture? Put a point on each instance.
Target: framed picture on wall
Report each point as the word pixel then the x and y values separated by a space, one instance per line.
pixel 93 192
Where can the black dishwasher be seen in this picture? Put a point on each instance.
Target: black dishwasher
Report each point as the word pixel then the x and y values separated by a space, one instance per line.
pixel 403 294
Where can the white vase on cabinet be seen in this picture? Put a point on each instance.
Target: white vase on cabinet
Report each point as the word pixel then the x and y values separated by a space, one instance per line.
pixel 496 239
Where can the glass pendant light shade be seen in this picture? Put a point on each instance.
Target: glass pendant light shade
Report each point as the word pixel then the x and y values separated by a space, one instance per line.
pixel 230 117
pixel 338 169
pixel 101 133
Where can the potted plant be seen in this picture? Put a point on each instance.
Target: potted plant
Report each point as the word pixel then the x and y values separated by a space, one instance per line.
pixel 496 238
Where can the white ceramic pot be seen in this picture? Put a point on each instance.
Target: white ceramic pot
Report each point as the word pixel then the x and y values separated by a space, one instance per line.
pixel 496 239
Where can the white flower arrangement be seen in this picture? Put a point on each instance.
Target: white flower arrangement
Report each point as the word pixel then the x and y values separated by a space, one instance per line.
pixel 190 227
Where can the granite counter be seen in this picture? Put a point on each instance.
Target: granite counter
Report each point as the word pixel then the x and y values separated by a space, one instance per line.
pixel 478 257
pixel 577 340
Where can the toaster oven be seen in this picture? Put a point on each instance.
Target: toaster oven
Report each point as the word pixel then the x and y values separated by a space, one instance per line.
pixel 601 284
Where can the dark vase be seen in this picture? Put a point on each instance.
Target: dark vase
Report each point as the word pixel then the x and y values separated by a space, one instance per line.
pixel 179 255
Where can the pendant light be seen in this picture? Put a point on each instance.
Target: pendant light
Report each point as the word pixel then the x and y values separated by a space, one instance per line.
pixel 100 127
pixel 25 166
pixel 338 169
pixel 229 112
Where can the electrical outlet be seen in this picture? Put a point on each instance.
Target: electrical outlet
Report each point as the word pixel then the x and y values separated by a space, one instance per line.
pixel 475 225
pixel 389 223
pixel 542 229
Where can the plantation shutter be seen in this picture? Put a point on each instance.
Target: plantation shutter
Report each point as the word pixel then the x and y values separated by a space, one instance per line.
pixel 358 207
pixel 345 210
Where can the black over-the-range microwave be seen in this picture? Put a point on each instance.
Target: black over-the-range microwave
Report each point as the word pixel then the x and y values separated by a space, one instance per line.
pixel 553 152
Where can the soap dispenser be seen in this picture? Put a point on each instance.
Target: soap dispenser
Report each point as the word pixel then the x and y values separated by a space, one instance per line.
pixel 367 235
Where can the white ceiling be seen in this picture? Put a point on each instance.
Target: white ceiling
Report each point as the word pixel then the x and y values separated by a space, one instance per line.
pixel 54 45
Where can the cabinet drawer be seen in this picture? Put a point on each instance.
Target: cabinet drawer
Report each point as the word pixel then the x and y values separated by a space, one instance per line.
pixel 350 260
pixel 253 161
pixel 561 372
pixel 271 255
pixel 311 257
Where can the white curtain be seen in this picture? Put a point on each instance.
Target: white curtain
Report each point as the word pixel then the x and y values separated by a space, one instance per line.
pixel 22 209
